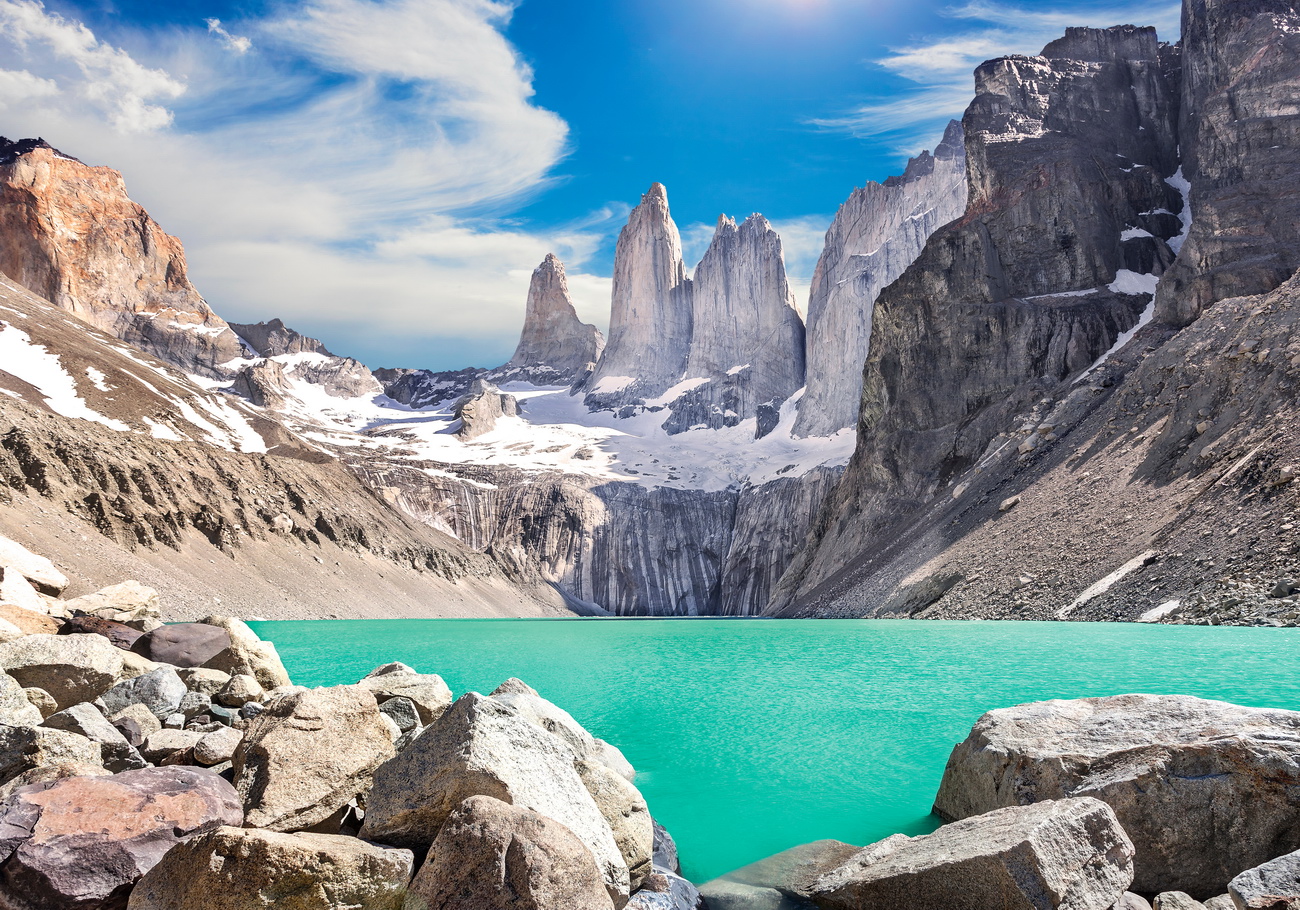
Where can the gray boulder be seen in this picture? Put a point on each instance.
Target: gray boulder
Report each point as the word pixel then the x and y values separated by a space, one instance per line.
pixel 426 691
pixel 15 707
pixel 184 644
pixel 666 891
pixel 784 880
pixel 664 857
pixel 72 668
pixel 239 691
pixel 250 869
pixel 217 746
pixel 480 747
pixel 1274 885
pixel 170 746
pixel 158 690
pixel 1176 900
pixel 136 723
pixel 554 719
pixel 203 680
pixel 86 720
pixel 24 748
pixel 1205 789
pixel 1054 855
pixel 1131 901
pixel 308 754
pixel 490 855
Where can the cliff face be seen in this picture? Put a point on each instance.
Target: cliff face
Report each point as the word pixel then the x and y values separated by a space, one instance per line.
pixel 650 316
pixel 1067 155
pixel 1241 141
pixel 877 233
pixel 74 237
pixel 554 346
pixel 270 339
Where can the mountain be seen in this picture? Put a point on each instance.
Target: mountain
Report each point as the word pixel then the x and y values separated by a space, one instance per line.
pixel 877 233
pixel 1062 415
pixel 555 346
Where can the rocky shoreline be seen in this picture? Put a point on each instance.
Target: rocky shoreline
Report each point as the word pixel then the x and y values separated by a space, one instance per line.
pixel 146 766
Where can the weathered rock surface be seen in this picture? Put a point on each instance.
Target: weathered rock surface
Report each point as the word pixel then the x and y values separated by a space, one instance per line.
pixel 24 748
pixel 784 881
pixel 84 841
pixel 1067 854
pixel 1176 900
pixel 665 891
pixel 247 654
pixel 218 746
pixel 16 709
pixel 1240 136
pixel 555 347
pixel 480 409
pixel 625 810
pixel 651 316
pixel 1274 885
pixel 16 591
pixel 77 240
pixel 86 720
pixel 120 635
pixel 308 754
pixel 29 621
pixel 271 339
pixel 877 233
pixel 491 855
pixel 129 602
pixel 427 691
pixel 184 644
pixel 1203 788
pixel 480 747
pixel 247 869
pixel 524 700
pixel 161 691
pixel 72 668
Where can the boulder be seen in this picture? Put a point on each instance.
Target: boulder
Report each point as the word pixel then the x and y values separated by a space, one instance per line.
pixel 57 771
pixel 203 680
pixel 38 570
pixel 72 668
pixel 183 644
pixel 217 746
pixel 121 635
pixel 250 869
pixel 1176 900
pixel 86 720
pixel 1205 789
pixel 16 708
pixel 308 754
pixel 1068 854
pixel 664 857
pixel 1222 902
pixel 1130 901
pixel 167 744
pixel 23 748
pixel 8 631
pixel 426 691
pixel 82 842
pixel 194 704
pixel 134 665
pixel 130 603
pixel 624 810
pixel 239 691
pixel 1274 885
pixel 161 691
pixel 554 719
pixel 18 591
pixel 246 654
pixel 29 621
pixel 402 712
pixel 722 894
pixel 136 723
pixel 490 855
pixel 666 891
pixel 785 879
pixel 481 747
pixel 41 700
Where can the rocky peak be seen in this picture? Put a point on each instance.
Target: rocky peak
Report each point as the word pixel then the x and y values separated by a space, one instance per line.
pixel 1119 43
pixel 480 409
pixel 271 339
pixel 72 235
pixel 877 233
pixel 650 316
pixel 555 344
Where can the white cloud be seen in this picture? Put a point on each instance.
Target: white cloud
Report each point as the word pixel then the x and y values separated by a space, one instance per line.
pixel 940 68
pixel 19 86
pixel 237 44
pixel 132 96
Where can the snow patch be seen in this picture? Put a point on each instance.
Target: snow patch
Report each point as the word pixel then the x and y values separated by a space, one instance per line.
pixel 1130 282
pixel 611 384
pixel 738 369
pixel 1125 337
pixel 162 431
pixel 36 366
pixel 1184 187
pixel 97 379
pixel 1155 614
pixel 1105 584
pixel 1084 293
pixel 1134 233
pixel 675 392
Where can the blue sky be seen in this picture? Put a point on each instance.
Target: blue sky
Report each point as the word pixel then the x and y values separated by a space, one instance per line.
pixel 385 174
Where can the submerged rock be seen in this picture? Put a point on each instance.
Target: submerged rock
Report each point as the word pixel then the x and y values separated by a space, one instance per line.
pixel 1205 789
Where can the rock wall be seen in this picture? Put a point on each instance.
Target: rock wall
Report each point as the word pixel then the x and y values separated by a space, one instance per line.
pixel 73 236
pixel 877 233
pixel 554 346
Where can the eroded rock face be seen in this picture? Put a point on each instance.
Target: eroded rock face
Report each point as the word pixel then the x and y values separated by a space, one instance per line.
pixel 490 855
pixel 1205 789
pixel 243 869
pixel 23 748
pixel 84 841
pixel 308 754
pixel 270 339
pixel 77 239
pixel 555 347
pixel 1067 854
pixel 480 747
pixel 480 409
pixel 650 319
pixel 877 233
pixel 1240 132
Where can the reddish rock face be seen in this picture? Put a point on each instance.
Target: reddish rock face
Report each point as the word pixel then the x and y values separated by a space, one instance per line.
pixel 80 843
pixel 74 237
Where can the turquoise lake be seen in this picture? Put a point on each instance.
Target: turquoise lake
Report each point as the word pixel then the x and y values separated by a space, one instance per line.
pixel 751 736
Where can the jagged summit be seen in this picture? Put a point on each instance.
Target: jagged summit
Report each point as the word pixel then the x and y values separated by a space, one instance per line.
pixel 555 344
pixel 273 338
pixel 11 148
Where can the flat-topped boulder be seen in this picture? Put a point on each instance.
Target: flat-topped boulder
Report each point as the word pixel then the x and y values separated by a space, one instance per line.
pixel 248 869
pixel 82 842
pixel 1054 855
pixel 1205 789
pixel 72 668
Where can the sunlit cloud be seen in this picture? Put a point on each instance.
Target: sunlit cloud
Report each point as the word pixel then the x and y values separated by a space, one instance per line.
pixel 237 44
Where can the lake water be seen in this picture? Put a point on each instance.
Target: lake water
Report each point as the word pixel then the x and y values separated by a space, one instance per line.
pixel 751 736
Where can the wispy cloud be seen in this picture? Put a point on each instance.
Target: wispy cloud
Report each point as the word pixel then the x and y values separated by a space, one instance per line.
pixel 353 175
pixel 937 71
pixel 237 44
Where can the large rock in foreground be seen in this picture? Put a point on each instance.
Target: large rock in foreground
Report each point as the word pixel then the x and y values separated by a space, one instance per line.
pixel 308 754
pixel 72 668
pixel 480 747
pixel 1205 789
pixel 82 842
pixel 490 855
pixel 242 869
pixel 1056 855
pixel 1274 885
